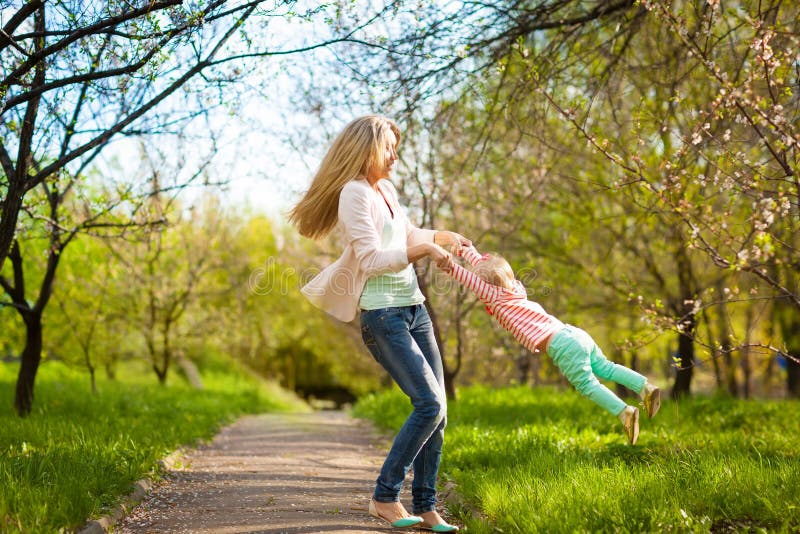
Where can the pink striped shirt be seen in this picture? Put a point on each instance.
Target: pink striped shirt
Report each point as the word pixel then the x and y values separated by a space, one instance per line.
pixel 525 319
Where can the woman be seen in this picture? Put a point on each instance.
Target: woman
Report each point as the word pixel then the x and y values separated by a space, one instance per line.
pixel 375 275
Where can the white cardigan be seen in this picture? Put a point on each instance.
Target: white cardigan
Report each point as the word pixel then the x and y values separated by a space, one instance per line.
pixel 337 289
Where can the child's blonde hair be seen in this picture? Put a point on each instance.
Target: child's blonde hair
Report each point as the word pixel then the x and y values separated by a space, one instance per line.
pixel 496 271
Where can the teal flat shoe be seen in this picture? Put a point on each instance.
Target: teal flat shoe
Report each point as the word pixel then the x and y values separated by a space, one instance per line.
pixel 410 521
pixel 405 522
pixel 440 527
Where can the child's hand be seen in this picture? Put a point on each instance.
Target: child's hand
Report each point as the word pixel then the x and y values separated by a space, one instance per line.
pixel 441 257
pixel 446 263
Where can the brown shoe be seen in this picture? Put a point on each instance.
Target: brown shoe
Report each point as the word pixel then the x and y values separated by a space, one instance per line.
pixel 652 401
pixel 630 421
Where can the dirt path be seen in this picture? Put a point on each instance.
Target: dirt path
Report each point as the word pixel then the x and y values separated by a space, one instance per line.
pixel 271 473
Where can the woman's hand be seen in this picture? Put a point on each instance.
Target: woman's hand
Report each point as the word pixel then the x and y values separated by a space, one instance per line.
pixel 451 240
pixel 439 255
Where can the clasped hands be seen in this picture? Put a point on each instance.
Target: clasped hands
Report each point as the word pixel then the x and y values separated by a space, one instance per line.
pixel 445 244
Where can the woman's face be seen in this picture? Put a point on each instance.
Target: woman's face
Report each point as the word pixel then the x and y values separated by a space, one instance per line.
pixel 383 169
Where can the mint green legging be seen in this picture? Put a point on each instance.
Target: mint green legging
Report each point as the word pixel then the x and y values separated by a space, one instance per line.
pixel 582 362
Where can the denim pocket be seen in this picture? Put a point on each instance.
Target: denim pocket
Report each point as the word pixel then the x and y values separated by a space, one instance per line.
pixel 371 343
pixel 389 322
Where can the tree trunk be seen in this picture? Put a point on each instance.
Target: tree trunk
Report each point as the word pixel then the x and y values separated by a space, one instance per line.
pixel 93 380
pixel 161 371
pixel 793 373
pixel 715 353
pixel 683 378
pixel 161 374
pixel 9 214
pixel 192 373
pixel 31 357
pixel 746 367
pixel 769 375
pixel 619 356
pixel 524 364
pixel 536 368
pixel 688 321
pixel 87 359
pixel 110 372
pixel 449 376
pixel 717 371
pixel 787 317
pixel 730 370
pixel 746 372
pixel 622 391
pixel 725 341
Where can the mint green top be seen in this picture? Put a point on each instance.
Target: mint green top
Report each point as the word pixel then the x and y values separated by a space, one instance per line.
pixel 392 289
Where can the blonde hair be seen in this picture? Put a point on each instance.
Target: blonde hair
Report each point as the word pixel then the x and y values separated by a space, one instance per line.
pixel 496 271
pixel 359 148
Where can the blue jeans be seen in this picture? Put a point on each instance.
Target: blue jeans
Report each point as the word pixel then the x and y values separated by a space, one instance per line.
pixel 582 362
pixel 401 340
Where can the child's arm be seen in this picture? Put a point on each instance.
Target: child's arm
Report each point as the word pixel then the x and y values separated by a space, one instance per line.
pixel 484 290
pixel 470 254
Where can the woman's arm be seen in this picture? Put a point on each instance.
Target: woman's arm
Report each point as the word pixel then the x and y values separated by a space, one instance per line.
pixel 437 253
pixel 355 215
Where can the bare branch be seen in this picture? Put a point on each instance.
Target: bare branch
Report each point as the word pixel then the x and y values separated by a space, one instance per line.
pixel 152 103
pixel 18 18
pixel 43 52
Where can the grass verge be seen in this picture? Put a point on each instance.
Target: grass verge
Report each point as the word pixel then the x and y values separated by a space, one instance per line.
pixel 77 453
pixel 544 460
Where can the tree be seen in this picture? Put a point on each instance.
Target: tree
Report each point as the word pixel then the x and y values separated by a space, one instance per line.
pixel 167 264
pixel 53 222
pixel 725 169
pixel 83 327
pixel 690 104
pixel 77 74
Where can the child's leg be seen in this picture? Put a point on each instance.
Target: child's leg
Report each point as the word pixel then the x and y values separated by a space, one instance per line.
pixel 608 370
pixel 571 349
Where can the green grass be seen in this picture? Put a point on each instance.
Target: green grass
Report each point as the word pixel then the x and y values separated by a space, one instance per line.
pixel 550 461
pixel 77 453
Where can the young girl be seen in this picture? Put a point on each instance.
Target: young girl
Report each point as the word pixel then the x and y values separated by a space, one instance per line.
pixel 573 350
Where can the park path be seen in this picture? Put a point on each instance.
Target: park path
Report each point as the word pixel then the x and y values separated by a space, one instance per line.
pixel 271 473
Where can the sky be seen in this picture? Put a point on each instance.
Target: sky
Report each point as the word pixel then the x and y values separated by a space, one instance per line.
pixel 273 144
pixel 268 150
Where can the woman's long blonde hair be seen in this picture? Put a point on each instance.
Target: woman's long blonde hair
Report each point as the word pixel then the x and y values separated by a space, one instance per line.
pixel 359 148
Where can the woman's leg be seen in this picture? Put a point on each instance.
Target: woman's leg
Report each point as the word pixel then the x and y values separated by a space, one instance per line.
pixel 426 464
pixel 387 335
pixel 571 349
